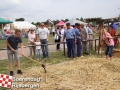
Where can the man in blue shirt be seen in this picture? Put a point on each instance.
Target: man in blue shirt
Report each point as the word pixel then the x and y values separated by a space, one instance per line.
pixel 78 38
pixel 12 46
pixel 69 33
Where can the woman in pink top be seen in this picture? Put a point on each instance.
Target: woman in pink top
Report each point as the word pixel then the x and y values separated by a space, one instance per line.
pixel 31 41
pixel 109 43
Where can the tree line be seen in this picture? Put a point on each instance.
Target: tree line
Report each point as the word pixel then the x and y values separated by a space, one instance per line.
pixel 87 20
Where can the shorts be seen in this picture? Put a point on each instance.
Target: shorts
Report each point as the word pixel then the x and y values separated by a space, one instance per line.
pixel 10 56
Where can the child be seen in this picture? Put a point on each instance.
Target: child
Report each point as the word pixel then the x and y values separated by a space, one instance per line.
pixel 37 42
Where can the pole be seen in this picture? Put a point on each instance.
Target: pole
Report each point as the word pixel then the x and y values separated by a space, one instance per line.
pixel 64 48
pixel 119 14
pixel 2 26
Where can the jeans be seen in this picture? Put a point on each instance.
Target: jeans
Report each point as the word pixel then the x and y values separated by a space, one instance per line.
pixel 109 50
pixel 38 53
pixel 44 47
pixel 58 45
pixel 79 47
pixel 70 47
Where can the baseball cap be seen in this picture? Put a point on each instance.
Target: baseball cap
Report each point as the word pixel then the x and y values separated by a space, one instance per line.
pixel 77 24
pixel 67 24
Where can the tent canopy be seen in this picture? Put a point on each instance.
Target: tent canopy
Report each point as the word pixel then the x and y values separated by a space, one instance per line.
pixel 23 25
pixel 60 23
pixel 3 21
pixel 73 21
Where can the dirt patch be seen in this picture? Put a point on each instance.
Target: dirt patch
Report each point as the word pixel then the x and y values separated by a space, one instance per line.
pixel 81 74
pixel 116 53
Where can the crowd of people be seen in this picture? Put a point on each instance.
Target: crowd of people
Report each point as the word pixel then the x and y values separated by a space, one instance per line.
pixel 76 37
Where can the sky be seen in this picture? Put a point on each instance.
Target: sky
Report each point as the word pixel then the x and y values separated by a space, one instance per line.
pixel 42 10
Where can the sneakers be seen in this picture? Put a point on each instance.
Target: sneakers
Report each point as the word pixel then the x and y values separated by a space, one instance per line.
pixel 19 72
pixel 11 73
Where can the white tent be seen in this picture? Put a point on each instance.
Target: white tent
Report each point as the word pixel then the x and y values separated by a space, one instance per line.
pixel 73 21
pixel 23 25
pixel 7 26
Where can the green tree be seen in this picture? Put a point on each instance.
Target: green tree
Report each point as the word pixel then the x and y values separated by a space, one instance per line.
pixel 93 19
pixel 77 18
pixel 38 23
pixel 20 19
pixel 57 21
pixel 62 20
pixel 81 19
pixel 33 23
pixel 46 22
pixel 66 20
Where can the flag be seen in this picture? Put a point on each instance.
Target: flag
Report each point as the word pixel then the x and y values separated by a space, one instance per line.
pixel 50 21
pixel 5 81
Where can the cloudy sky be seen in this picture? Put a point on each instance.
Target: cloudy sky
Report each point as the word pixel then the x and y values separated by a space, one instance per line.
pixel 41 10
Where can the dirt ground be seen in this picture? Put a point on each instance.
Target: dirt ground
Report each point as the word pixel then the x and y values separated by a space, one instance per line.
pixel 3 53
pixel 91 73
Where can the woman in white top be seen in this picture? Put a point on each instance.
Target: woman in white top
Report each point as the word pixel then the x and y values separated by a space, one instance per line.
pixel 31 41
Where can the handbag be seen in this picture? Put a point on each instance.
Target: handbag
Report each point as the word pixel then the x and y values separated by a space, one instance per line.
pixel 56 37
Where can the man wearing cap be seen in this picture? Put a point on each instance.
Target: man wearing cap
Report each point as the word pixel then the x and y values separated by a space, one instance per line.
pixel 78 38
pixel 69 33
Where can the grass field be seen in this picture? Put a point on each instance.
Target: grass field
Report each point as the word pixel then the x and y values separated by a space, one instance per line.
pixel 25 42
pixel 55 57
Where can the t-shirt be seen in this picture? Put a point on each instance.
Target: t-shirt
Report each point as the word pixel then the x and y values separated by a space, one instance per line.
pixel 77 33
pixel 69 33
pixel 38 43
pixel 111 42
pixel 114 26
pixel 13 42
pixel 89 30
pixel 84 32
pixel 42 33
